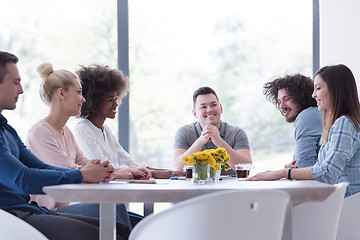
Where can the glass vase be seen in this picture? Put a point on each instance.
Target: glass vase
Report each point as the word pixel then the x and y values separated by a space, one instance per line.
pixel 201 173
pixel 215 174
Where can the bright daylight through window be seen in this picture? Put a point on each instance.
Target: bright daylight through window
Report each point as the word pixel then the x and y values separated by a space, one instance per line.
pixel 234 46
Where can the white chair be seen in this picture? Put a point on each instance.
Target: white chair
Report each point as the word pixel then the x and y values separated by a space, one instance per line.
pixel 318 220
pixel 349 228
pixel 13 228
pixel 221 215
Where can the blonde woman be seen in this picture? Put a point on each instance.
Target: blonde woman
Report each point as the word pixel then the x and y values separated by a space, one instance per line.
pixel 52 141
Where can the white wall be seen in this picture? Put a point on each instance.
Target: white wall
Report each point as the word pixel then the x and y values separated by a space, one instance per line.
pixel 340 34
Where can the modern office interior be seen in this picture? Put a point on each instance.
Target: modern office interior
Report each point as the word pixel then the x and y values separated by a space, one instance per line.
pixel 170 48
pixel 169 51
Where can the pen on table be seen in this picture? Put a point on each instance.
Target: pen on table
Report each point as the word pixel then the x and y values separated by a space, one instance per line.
pixel 146 182
pixel 178 178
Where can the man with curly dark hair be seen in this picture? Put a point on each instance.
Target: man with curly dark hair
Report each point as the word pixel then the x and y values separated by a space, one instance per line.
pixel 291 94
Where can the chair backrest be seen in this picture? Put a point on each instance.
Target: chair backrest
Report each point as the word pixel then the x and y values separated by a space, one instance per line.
pixel 226 215
pixel 318 220
pixel 349 228
pixel 13 228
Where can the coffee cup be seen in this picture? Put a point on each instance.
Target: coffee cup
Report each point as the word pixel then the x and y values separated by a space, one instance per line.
pixel 243 170
pixel 188 172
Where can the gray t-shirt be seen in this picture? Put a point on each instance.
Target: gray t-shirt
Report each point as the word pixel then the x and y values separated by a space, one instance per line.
pixel 234 136
pixel 308 129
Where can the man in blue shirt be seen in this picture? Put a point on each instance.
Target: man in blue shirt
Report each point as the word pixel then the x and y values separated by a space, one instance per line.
pixel 22 173
pixel 292 96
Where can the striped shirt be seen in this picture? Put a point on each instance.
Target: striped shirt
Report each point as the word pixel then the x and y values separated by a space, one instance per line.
pixel 339 157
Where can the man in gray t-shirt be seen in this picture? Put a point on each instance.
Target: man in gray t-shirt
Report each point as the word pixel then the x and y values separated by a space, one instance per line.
pixel 292 96
pixel 209 132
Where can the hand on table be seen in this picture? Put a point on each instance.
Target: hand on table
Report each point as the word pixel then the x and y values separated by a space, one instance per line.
pixel 141 173
pixel 96 171
pixel 268 175
pixel 166 174
pixel 123 173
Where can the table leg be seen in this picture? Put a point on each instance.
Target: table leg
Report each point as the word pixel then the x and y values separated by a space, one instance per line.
pixel 148 208
pixel 107 221
pixel 287 231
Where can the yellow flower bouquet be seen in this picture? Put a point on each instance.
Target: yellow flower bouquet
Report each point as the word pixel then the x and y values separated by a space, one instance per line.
pixel 205 161
pixel 201 162
pixel 221 158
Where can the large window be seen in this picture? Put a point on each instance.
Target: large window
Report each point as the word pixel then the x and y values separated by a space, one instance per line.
pixel 65 33
pixel 234 46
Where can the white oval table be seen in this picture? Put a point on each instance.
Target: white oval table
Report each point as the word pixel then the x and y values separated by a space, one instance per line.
pixel 108 194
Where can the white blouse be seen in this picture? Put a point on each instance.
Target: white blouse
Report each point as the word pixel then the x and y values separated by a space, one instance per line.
pixel 101 144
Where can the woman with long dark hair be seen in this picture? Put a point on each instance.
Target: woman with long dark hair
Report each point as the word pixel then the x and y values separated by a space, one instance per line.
pixel 339 156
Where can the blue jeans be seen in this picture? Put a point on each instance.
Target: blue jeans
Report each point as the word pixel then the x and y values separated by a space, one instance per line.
pixel 129 219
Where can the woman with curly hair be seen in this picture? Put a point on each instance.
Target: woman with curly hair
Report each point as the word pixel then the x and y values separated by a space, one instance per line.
pixel 336 95
pixel 103 89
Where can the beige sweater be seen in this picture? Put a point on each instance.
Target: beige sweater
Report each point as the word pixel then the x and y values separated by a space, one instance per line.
pixel 54 148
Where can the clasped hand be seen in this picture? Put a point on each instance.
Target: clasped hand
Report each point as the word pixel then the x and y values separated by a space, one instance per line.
pixel 210 133
pixel 97 171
